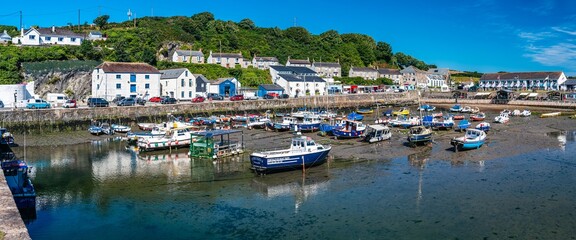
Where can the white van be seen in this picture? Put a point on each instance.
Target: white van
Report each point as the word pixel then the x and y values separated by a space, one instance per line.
pixel 56 99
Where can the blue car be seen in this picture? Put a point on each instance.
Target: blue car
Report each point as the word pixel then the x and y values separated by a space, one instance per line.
pixel 37 103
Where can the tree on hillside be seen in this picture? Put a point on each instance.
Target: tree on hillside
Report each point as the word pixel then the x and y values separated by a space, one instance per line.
pixel 298 34
pixel 383 52
pixel 101 21
pixel 246 23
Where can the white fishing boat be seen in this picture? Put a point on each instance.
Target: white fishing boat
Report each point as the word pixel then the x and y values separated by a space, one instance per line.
pixel 120 128
pixel 302 153
pixel 377 133
pixel 502 118
pixel 174 138
pixel 473 138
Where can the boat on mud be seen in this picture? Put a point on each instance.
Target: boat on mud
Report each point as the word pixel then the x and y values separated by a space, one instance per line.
pixel 473 139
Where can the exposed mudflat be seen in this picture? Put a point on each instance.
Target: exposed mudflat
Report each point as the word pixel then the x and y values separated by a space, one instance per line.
pixel 520 135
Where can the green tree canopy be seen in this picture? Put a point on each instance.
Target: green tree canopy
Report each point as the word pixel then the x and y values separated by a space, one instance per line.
pixel 101 21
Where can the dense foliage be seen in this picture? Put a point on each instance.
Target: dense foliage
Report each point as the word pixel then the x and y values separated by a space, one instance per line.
pixel 143 43
pixel 44 67
pixel 249 77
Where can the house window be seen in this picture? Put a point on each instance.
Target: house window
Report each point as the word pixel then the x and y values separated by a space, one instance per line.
pixel 182 83
pixel 202 85
pixel 118 86
pixel 32 37
pixel 218 60
pixel 60 39
pixel 118 76
pixel 190 94
pixel 198 59
pixel 189 82
pixel 73 39
pixel 182 94
pixel 147 86
pixel 146 76
pixel 186 73
pixel 48 38
pixel 237 60
pixel 97 86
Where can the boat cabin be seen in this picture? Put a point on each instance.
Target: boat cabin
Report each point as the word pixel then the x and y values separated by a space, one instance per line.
pixel 304 143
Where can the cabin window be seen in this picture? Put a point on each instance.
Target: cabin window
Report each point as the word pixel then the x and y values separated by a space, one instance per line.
pixel 302 144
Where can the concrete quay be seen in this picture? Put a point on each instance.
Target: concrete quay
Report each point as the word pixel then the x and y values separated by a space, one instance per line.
pixel 11 224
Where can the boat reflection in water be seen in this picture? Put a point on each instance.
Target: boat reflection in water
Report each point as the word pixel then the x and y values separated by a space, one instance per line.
pixel 419 161
pixel 563 137
pixel 293 184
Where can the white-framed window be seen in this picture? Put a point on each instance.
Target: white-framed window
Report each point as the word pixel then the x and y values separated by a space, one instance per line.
pixel 73 39
pixel 60 39
pixel 32 37
pixel 118 76
pixel 48 38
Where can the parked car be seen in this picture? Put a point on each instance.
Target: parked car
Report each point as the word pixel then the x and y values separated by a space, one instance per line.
pixel 268 96
pixel 117 99
pixel 97 102
pixel 168 100
pixel 251 97
pixel 70 103
pixel 37 103
pixel 1 104
pixel 284 96
pixel 198 99
pixel 141 101
pixel 155 99
pixel 237 98
pixel 215 96
pixel 126 102
pixel 273 94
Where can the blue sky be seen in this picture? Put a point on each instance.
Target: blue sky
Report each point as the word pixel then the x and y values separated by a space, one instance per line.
pixel 484 36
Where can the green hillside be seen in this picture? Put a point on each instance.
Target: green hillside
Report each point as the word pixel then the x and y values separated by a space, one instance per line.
pixel 143 43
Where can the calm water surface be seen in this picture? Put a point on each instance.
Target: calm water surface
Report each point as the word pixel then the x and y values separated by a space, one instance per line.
pixel 102 191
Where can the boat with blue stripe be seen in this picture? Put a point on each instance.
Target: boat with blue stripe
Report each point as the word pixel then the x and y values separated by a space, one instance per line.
pixel 303 152
pixel 473 139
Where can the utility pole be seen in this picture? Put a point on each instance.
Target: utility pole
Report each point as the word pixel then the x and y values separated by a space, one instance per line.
pixel 21 21
pixel 134 20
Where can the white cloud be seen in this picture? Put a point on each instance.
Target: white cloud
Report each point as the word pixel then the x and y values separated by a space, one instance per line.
pixel 533 37
pixel 563 30
pixel 561 55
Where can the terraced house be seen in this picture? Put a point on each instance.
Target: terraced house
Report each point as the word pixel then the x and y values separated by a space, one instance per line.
pixel 523 81
pixel 188 56
pixel 364 72
pixel 181 84
pixel 111 79
pixel 48 36
pixel 227 60
pixel 264 63
pixel 327 69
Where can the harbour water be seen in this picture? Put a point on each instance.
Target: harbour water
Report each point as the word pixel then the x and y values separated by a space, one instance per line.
pixel 102 191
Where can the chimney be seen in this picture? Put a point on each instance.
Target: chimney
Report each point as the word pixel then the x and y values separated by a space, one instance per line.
pixel 53 28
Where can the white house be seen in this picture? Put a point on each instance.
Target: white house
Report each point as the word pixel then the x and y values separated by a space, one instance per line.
pixel 188 56
pixel 181 84
pixel 298 81
pixel 412 76
pixel 264 63
pixel 298 62
pixel 95 35
pixel 16 94
pixel 111 79
pixel 523 80
pixel 227 60
pixel 327 69
pixel 5 38
pixel 47 36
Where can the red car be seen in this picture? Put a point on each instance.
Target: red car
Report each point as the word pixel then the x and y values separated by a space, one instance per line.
pixel 237 98
pixel 155 99
pixel 198 99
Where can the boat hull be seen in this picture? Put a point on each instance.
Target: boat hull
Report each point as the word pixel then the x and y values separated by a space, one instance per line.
pixel 276 163
pixel 307 127
pixel 465 145
pixel 347 134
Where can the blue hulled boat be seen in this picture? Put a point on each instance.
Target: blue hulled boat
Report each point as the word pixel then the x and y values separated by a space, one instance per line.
pixel 427 108
pixel 463 125
pixel 484 126
pixel 6 137
pixel 16 173
pixel 456 108
pixel 350 129
pixel 310 123
pixel 283 125
pixel 355 116
pixel 473 138
pixel 303 152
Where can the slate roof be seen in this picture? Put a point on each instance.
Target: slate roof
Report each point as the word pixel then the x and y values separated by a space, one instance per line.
pixel 411 69
pixel 326 64
pixel 172 73
pixel 123 67
pixel 221 80
pixel 227 55
pixel 299 61
pixel 5 36
pixel 201 77
pixel 442 71
pixel 271 87
pixel 293 69
pixel 388 71
pixel 190 53
pixel 56 33
pixel 364 69
pixel 95 33
pixel 294 78
pixel 521 75
pixel 266 59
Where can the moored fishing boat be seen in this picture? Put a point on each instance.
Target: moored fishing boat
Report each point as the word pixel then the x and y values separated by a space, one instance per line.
pixel 463 125
pixel 377 133
pixel 120 128
pixel 478 116
pixel 365 111
pixel 6 137
pixel 401 111
pixel 526 113
pixel 419 134
pixel 456 108
pixel 466 109
pixel 303 152
pixel 484 126
pixel 427 108
pixel 473 138
pixel 174 138
pixel 349 129
pixel 283 125
pixel 309 123
pixel 355 116
pixel 20 184
pixel 443 123
pixel 502 118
